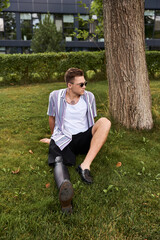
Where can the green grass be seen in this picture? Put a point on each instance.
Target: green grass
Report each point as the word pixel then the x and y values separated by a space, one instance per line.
pixel 123 203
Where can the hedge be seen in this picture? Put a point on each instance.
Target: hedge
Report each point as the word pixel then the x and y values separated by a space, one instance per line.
pixel 153 64
pixel 49 67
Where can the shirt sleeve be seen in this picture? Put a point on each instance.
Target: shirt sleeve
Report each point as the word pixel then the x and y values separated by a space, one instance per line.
pixel 94 109
pixel 51 105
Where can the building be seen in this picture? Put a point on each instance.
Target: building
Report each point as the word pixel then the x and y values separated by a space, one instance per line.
pixel 152 24
pixel 18 21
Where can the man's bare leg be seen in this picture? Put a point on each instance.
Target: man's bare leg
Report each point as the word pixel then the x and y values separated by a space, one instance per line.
pixel 100 132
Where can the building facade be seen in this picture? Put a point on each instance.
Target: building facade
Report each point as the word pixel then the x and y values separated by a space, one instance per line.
pixel 152 24
pixel 18 21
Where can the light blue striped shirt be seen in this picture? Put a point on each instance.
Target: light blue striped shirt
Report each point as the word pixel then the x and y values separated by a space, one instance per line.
pixel 57 107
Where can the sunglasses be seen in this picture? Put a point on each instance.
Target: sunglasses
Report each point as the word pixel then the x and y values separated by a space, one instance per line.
pixel 81 84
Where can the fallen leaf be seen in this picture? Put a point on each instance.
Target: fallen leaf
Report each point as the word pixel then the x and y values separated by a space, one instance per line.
pixel 30 151
pixel 16 171
pixel 47 185
pixel 15 197
pixel 31 167
pixel 119 164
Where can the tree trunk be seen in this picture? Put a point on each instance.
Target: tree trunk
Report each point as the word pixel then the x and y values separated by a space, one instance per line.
pixel 129 91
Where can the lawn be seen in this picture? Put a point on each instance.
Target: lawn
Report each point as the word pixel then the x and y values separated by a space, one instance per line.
pixel 124 201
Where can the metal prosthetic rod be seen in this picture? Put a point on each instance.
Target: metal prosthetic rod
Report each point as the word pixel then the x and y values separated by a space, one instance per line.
pixel 64 185
pixel 60 172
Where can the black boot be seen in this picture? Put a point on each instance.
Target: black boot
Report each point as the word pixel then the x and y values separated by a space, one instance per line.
pixel 64 185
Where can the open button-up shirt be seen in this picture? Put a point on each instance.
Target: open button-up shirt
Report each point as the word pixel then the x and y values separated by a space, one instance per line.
pixel 57 107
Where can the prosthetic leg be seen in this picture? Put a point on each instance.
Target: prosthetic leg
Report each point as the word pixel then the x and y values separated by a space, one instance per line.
pixel 64 185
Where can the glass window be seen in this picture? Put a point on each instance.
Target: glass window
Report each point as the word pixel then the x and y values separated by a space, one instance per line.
pixel 26 31
pixel 67 33
pixel 1 25
pixel 25 16
pixel 35 23
pixel 2 50
pixel 68 27
pixel 149 31
pixel 58 24
pixel 157 34
pixel 149 13
pixel 84 17
pixel 68 21
pixel 83 21
pixel 2 36
pixel 92 27
pixel 157 25
pixel 10 25
pixel 68 39
pixel 94 17
pixel 26 26
pixel 68 18
pixel 149 17
pixel 26 50
pixel 84 26
pixel 1 29
pixel 34 15
pixel 101 40
pixel 43 17
pixel 11 50
pixel 157 21
pixel 149 20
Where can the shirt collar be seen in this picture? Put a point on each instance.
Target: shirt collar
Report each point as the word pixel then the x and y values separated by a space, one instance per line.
pixel 64 94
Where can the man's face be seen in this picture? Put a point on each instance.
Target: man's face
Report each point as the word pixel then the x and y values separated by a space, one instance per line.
pixel 78 86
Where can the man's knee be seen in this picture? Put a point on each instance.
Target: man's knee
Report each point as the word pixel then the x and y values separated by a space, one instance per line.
pixel 102 123
pixel 105 123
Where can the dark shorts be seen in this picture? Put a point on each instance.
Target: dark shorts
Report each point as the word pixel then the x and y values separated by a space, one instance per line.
pixel 80 144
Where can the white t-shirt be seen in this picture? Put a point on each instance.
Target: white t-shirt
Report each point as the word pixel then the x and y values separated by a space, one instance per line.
pixel 75 118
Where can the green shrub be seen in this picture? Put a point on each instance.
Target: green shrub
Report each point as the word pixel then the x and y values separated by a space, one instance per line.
pixel 153 64
pixel 35 77
pixel 50 67
pixel 13 78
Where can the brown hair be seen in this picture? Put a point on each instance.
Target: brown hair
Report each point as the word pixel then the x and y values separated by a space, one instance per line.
pixel 71 73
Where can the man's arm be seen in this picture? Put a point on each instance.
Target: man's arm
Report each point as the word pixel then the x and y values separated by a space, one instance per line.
pixel 51 123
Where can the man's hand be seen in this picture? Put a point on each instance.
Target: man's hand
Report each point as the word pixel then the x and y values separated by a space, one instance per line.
pixel 45 140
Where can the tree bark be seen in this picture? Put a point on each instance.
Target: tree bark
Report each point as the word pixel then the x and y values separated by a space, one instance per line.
pixel 129 90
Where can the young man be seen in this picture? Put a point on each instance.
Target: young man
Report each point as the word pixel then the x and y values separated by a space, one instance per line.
pixel 71 119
